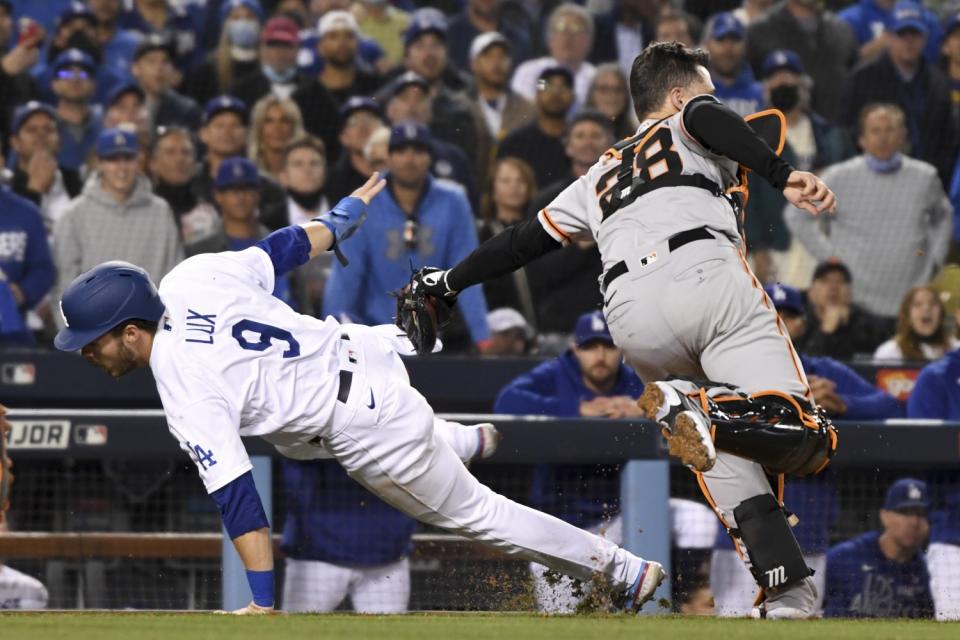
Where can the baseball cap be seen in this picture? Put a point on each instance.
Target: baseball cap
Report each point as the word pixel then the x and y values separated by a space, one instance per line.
pixel 121 90
pixel 117 142
pixel 833 264
pixel 423 21
pixel 556 70
pixel 151 43
pixel 74 58
pixel 907 493
pixel 75 10
pixel 907 15
pixel 359 103
pixel 237 172
pixel 782 59
pixel 505 319
pixel 28 110
pixel 951 24
pixel 230 5
pixel 486 40
pixel 281 29
pixel 407 134
pixel 725 24
pixel 407 79
pixel 591 327
pixel 337 21
pixel 220 104
pixel 785 298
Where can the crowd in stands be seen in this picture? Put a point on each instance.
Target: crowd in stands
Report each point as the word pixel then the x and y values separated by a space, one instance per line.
pixel 154 130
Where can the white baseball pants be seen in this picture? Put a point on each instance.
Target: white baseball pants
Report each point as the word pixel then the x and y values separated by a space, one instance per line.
pixel 313 586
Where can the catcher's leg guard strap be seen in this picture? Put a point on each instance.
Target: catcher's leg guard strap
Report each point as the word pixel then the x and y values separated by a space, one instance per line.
pixel 776 559
pixel 773 432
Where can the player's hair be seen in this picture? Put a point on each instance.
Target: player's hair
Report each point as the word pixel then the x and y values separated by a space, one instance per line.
pixel 305 141
pixel 894 110
pixel 658 69
pixel 150 326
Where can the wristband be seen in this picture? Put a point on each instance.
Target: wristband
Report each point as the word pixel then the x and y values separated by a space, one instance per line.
pixel 261 585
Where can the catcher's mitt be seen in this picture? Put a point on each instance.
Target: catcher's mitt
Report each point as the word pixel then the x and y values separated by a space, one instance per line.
pixel 421 315
pixel 6 475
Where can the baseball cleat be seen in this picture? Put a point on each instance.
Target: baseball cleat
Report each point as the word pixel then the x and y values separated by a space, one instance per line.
pixel 489 439
pixel 643 588
pixel 685 426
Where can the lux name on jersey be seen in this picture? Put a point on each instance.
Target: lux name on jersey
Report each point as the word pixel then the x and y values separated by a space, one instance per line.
pixel 200 327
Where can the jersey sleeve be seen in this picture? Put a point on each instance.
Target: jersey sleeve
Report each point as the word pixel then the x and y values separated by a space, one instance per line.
pixel 568 213
pixel 253 265
pixel 208 430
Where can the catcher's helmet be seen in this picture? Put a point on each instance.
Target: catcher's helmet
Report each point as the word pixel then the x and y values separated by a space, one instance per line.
pixel 103 297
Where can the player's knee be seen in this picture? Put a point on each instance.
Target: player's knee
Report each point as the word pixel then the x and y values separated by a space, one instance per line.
pixel 776 559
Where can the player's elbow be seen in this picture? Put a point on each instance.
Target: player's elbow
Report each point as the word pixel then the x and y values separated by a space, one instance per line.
pixel 240 507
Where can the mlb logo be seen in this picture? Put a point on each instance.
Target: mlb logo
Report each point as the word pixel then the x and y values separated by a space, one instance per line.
pixel 119 139
pixel 648 259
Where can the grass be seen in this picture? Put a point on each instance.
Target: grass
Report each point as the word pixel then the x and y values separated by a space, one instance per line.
pixel 174 626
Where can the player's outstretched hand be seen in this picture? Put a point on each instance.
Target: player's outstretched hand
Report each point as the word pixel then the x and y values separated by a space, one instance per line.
pixel 806 191
pixel 370 188
pixel 252 609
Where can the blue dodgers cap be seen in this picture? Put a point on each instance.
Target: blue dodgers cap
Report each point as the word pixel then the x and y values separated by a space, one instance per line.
pixel 591 327
pixel 117 142
pixel 235 173
pixel 230 5
pixel 121 90
pixel 556 70
pixel 74 58
pixel 224 103
pixel 359 103
pixel 782 59
pixel 907 493
pixel 76 10
pixel 907 15
pixel 724 25
pixel 103 297
pixel 427 20
pixel 411 133
pixel 27 111
pixel 785 297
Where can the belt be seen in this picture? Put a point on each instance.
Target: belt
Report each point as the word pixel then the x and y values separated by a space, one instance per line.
pixel 346 379
pixel 674 243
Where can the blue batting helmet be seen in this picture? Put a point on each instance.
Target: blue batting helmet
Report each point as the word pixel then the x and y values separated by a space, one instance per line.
pixel 103 297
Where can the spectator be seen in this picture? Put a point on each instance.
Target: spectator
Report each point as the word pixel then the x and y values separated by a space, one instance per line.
pixel 511 188
pixel 310 63
pixel 812 143
pixel 344 73
pixel 540 143
pixel 235 56
pixel 883 574
pixel 951 65
pixel 360 117
pixel 872 22
pixel 751 10
pixel 677 26
pixel 624 32
pixel 172 162
pixel 116 217
pixel 408 99
pixel 153 70
pixel 18 590
pixel 79 120
pixel 126 105
pixel 510 335
pixel 893 221
pixel 26 270
pixel 16 84
pixel 590 380
pixel 320 111
pixel 500 109
pixel 922 330
pixel 117 44
pixel 483 16
pixel 224 133
pixel 174 23
pixel 426 53
pixel 835 326
pixel 376 153
pixel 732 76
pixel 36 176
pixel 385 24
pixel 277 73
pixel 275 123
pixel 237 195
pixel 824 43
pixel 415 221
pixel 610 95
pixel 304 177
pixel 902 77
pixel 569 38
pixel 564 283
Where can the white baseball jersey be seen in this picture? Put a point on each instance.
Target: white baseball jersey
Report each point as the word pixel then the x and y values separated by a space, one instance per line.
pixel 231 360
pixel 665 148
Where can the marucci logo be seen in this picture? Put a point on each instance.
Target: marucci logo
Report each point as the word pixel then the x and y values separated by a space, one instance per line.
pixel 776 577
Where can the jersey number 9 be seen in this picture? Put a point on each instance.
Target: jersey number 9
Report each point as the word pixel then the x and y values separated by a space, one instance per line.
pixel 267 333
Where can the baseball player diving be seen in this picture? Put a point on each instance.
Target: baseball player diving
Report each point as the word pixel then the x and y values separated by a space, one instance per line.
pixel 664 207
pixel 231 360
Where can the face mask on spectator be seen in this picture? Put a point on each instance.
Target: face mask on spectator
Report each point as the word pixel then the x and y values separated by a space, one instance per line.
pixel 306 200
pixel 785 97
pixel 244 36
pixel 884 166
pixel 276 77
